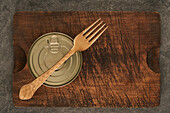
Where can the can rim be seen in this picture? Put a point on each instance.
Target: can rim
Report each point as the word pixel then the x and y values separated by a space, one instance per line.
pixel 54 86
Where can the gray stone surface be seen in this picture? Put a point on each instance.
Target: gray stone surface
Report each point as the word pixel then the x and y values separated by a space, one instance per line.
pixel 9 7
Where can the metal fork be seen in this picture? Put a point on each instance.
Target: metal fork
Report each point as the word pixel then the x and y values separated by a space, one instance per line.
pixel 81 42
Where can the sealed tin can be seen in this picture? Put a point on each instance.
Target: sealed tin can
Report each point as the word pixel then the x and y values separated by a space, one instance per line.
pixel 47 50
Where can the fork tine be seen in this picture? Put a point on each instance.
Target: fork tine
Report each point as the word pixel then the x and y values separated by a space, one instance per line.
pixel 96 37
pixel 88 33
pixel 91 36
pixel 84 31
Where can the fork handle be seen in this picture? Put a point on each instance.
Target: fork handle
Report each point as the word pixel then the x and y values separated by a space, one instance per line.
pixel 28 90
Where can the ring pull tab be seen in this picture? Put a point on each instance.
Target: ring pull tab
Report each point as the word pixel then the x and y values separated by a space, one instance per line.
pixel 54 44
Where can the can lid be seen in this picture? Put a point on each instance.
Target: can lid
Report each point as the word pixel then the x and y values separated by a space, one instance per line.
pixel 47 50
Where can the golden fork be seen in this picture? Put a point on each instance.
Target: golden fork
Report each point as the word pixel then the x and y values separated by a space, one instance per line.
pixel 81 42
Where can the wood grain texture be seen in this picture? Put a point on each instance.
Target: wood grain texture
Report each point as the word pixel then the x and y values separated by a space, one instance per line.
pixel 122 71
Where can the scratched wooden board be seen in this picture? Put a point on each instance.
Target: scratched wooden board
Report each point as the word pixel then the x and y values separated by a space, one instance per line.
pixel 120 70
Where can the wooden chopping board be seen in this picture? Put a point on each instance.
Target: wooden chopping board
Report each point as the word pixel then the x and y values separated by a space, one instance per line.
pixel 120 70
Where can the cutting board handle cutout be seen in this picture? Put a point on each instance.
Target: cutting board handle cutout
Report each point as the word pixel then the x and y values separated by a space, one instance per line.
pixel 153 59
pixel 20 58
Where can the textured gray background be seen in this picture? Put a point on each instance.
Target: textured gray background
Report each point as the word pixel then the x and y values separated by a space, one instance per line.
pixel 9 7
